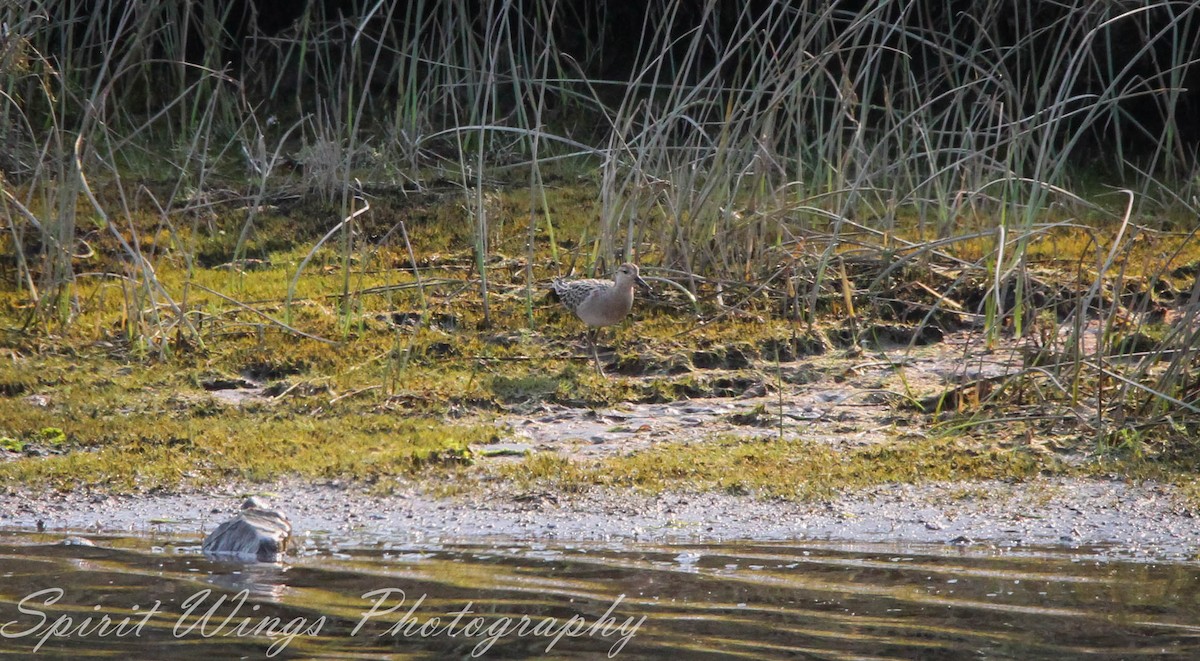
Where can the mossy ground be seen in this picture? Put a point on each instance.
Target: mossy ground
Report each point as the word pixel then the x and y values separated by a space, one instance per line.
pixel 789 469
pixel 397 375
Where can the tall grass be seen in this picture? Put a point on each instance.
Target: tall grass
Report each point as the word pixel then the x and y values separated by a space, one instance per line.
pixel 746 148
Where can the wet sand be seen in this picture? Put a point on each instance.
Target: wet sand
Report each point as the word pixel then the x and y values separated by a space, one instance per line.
pixel 1127 520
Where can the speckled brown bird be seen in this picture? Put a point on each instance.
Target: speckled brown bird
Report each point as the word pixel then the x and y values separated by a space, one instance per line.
pixel 600 303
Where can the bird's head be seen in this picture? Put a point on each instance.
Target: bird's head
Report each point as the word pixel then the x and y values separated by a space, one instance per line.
pixel 628 273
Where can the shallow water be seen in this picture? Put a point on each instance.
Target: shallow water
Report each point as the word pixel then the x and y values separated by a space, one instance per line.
pixel 520 599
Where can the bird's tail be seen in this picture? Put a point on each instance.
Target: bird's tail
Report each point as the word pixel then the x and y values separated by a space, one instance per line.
pixel 556 288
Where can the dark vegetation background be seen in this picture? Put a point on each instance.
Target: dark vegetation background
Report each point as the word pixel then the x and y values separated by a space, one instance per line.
pixel 1134 61
pixel 1136 49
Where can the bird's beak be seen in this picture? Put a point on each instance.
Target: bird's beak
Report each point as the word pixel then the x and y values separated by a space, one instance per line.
pixel 642 283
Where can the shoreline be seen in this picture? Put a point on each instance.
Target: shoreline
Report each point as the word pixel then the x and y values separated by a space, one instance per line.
pixel 1144 520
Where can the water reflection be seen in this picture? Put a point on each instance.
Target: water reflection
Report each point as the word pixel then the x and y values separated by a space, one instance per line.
pixel 518 600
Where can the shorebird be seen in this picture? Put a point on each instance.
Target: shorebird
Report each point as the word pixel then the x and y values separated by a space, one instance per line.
pixel 257 533
pixel 600 303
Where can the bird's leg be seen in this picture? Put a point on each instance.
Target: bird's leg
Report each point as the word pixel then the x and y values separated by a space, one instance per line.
pixel 591 335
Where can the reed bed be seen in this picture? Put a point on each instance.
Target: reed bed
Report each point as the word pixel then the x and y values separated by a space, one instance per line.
pixel 804 158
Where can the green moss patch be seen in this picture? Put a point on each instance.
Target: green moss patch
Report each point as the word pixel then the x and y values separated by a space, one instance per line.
pixel 786 469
